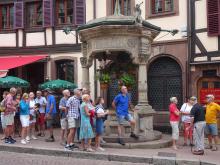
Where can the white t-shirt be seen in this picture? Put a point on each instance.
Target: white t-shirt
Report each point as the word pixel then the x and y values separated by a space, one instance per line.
pixel 31 106
pixel 41 101
pixel 186 108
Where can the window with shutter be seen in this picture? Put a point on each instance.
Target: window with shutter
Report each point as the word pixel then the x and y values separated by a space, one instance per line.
pixel 34 14
pixel 70 12
pixel 48 13
pixel 64 12
pixel 213 11
pixel 18 15
pixel 6 16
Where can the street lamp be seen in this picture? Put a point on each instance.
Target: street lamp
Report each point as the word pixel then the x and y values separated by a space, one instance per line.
pixel 68 30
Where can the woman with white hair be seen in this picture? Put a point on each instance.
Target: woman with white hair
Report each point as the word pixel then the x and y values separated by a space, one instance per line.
pixel 174 120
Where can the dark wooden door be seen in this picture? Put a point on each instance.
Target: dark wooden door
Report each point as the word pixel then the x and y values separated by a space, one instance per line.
pixel 164 81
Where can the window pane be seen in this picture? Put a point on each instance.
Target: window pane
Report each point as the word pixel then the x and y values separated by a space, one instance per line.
pixel 158 6
pixel 11 16
pixel 168 5
pixel 4 17
pixel 61 13
pixel 34 14
pixel 65 70
pixel 39 16
pixel 127 7
pixel 205 84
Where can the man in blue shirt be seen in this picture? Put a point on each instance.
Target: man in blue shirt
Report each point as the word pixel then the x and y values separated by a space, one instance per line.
pixel 122 103
pixel 50 112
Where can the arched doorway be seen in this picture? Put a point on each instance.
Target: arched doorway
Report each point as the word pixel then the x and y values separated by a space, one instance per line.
pixel 164 81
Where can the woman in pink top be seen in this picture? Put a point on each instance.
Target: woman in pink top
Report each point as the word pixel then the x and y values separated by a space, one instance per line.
pixel 174 120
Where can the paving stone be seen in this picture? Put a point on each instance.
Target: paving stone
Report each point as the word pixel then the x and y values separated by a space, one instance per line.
pixel 132 159
pixel 187 162
pixel 157 160
pixel 166 154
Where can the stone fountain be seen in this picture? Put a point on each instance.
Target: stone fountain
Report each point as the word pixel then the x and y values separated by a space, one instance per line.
pixel 133 35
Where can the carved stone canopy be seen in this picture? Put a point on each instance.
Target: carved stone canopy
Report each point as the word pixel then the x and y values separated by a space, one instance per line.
pixel 117 34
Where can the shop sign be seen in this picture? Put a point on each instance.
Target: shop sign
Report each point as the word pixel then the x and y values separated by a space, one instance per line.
pixel 206 91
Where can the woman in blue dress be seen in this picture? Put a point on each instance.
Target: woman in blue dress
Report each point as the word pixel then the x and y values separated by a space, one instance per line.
pixel 86 132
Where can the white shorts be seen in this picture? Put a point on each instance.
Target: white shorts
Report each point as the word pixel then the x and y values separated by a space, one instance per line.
pixel 175 130
pixel 25 120
pixel 73 123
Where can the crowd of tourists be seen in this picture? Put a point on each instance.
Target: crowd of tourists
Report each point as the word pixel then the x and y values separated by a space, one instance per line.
pixel 78 114
pixel 197 121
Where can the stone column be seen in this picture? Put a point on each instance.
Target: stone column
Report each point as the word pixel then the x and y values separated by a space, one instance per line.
pixel 85 72
pixel 144 114
pixel 85 78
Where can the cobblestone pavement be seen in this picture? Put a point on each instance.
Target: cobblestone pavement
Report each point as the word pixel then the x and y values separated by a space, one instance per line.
pixel 182 153
pixel 7 158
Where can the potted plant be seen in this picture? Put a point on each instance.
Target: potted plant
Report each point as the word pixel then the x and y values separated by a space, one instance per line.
pixel 127 80
pixel 104 79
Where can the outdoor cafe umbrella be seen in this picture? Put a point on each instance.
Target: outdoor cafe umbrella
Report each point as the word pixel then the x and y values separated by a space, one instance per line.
pixel 10 81
pixel 58 84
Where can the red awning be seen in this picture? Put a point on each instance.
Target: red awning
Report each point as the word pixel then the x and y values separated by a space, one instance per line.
pixel 9 62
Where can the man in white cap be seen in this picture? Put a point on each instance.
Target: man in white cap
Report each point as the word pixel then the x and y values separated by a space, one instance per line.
pixel 212 110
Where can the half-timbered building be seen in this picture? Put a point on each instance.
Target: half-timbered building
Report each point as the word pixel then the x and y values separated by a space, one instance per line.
pixel 35 27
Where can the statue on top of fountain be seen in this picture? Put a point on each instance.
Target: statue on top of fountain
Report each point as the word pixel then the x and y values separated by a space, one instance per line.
pixel 138 12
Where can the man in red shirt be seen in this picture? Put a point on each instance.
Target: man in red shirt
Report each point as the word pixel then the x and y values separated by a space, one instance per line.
pixel 10 108
pixel 174 120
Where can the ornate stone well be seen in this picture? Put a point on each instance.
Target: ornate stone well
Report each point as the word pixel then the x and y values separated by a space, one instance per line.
pixel 117 33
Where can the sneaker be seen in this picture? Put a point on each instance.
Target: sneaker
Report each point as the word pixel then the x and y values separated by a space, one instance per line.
pixel 13 140
pixel 100 149
pixel 121 141
pixel 23 141
pixel 73 146
pixel 28 138
pixel 9 141
pixel 50 139
pixel 34 137
pixel 6 140
pixel 68 148
pixel 27 141
pixel 134 136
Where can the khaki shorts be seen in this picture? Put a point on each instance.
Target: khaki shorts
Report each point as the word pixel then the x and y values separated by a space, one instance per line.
pixel 64 123
pixel 175 130
pixel 73 123
pixel 9 119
